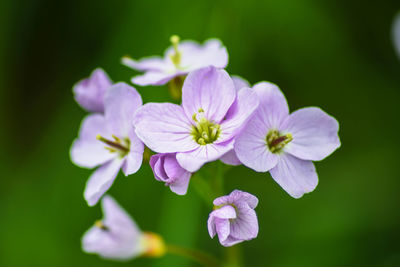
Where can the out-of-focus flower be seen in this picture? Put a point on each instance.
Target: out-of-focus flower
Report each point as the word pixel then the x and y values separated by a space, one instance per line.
pixel 118 237
pixel 396 33
pixel 285 145
pixel 89 93
pixel 203 128
pixel 179 59
pixel 167 169
pixel 109 140
pixel 234 218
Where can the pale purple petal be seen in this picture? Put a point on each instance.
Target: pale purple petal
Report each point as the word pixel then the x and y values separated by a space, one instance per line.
pixel 179 176
pixel 226 212
pixel 239 82
pixel 222 227
pixel 273 107
pixel 315 134
pixel 245 227
pixel 134 159
pixel 236 197
pixel 238 115
pixel 122 238
pixel 101 180
pixel 294 175
pixel 251 146
pixel 145 64
pixel 208 89
pixel 164 128
pixel 396 33
pixel 89 93
pixel 121 102
pixel 157 165
pixel 195 56
pixel 87 151
pixel 156 78
pixel 193 160
pixel 230 158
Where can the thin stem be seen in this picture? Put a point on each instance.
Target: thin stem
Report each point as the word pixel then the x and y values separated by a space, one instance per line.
pixel 203 188
pixel 198 256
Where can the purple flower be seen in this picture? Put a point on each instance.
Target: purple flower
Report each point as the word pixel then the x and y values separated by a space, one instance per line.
pixel 179 59
pixel 396 33
pixel 167 169
pixel 203 128
pixel 230 157
pixel 234 218
pixel 285 145
pixel 89 93
pixel 109 140
pixel 118 237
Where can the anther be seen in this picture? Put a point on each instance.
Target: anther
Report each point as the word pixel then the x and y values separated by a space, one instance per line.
pixel 99 224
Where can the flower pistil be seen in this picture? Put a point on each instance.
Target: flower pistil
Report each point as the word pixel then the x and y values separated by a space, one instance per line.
pixel 276 141
pixel 204 132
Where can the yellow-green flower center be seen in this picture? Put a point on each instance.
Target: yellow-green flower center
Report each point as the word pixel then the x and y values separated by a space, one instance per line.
pixel 117 145
pixel 204 131
pixel 276 141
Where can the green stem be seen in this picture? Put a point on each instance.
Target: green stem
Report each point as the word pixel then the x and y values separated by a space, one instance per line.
pixel 198 256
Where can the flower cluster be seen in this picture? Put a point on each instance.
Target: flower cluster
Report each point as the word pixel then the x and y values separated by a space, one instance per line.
pixel 221 117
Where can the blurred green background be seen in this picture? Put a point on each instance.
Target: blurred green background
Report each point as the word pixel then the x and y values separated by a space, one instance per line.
pixel 334 54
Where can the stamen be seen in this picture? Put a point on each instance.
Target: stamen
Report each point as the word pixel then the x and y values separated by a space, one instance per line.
pixel 99 224
pixel 176 57
pixel 204 131
pixel 276 142
pixel 115 145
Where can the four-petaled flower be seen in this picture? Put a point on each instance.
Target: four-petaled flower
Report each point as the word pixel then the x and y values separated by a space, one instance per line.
pixel 109 140
pixel 234 218
pixel 118 237
pixel 285 145
pixel 89 93
pixel 167 169
pixel 179 59
pixel 203 128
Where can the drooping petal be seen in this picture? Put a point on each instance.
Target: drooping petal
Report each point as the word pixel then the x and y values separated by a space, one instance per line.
pixel 87 151
pixel 193 160
pixel 251 146
pixel 134 159
pixel 315 134
pixel 236 197
pixel 179 176
pixel 89 93
pixel 164 128
pixel 230 158
pixel 294 175
pixel 226 212
pixel 145 64
pixel 239 82
pixel 396 33
pixel 273 107
pixel 245 227
pixel 121 102
pixel 208 89
pixel 239 113
pixel 101 180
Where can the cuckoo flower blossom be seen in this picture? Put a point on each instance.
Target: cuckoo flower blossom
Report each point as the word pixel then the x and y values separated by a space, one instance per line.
pixel 118 237
pixel 89 93
pixel 203 128
pixel 234 218
pixel 167 169
pixel 110 141
pixel 178 60
pixel 285 145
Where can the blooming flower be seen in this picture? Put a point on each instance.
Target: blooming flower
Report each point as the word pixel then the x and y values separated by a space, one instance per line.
pixel 109 140
pixel 285 145
pixel 234 218
pixel 89 93
pixel 396 33
pixel 118 237
pixel 203 128
pixel 167 169
pixel 179 60
pixel 230 157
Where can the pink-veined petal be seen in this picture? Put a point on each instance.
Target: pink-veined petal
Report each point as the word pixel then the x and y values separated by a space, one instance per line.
pixel 315 134
pixel 294 175
pixel 230 158
pixel 134 159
